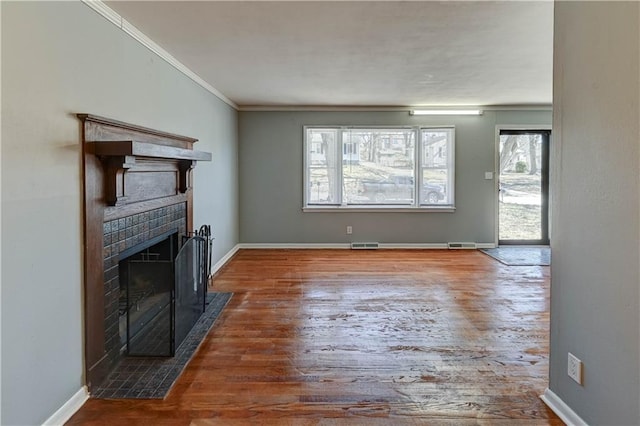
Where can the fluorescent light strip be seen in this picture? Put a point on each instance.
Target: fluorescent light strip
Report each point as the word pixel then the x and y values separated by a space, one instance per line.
pixel 445 112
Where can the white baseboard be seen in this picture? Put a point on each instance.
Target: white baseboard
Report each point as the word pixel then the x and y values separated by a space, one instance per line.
pixel 563 411
pixel 220 263
pixel 403 246
pixel 486 245
pixel 417 246
pixel 69 408
pixel 294 246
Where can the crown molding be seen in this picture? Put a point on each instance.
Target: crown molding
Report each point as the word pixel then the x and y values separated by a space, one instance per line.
pixel 338 108
pixel 113 17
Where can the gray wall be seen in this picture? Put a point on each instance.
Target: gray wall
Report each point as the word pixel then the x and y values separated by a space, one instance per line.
pixel 595 205
pixel 271 181
pixel 58 59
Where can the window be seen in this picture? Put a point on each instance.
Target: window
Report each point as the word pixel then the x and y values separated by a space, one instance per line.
pixel 404 167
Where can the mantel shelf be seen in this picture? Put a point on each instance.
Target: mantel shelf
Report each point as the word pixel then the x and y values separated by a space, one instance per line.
pixel 145 149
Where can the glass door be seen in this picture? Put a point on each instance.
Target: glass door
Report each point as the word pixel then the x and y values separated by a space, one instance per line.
pixel 523 197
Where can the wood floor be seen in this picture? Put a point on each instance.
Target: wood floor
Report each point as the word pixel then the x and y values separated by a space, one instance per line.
pixel 386 337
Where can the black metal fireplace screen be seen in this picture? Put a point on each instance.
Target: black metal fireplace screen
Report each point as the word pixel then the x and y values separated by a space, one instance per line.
pixel 163 288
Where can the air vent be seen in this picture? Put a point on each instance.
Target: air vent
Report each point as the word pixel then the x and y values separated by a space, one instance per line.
pixel 364 246
pixel 461 246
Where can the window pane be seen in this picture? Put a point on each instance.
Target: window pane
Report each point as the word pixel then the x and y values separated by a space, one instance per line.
pixel 378 166
pixel 437 167
pixel 322 161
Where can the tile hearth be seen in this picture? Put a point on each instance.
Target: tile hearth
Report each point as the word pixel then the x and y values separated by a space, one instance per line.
pixel 152 378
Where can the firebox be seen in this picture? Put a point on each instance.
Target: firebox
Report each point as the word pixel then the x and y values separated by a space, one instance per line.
pixel 146 297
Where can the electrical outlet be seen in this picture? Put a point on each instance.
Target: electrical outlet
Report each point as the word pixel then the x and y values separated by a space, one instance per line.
pixel 574 368
pixel 349 230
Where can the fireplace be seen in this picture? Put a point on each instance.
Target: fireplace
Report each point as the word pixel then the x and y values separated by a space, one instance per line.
pixel 144 280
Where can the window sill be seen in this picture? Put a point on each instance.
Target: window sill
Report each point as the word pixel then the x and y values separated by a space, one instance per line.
pixel 379 209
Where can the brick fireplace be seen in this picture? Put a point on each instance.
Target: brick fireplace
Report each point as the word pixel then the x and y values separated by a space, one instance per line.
pixel 137 187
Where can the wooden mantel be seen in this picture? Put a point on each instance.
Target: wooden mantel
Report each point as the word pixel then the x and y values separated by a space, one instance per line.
pixel 128 170
pixel 140 164
pixel 146 149
pixel 139 171
pixel 102 128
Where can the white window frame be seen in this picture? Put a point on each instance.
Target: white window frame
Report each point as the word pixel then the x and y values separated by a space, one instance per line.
pixel 418 175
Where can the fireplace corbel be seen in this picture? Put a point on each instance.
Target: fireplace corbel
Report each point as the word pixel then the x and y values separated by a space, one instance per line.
pixel 140 179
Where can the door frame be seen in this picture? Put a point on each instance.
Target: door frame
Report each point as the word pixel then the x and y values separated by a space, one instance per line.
pixel 496 180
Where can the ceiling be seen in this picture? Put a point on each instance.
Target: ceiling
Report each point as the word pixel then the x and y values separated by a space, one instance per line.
pixel 355 53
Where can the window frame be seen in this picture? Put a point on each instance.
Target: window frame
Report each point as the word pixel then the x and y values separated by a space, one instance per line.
pixel 417 206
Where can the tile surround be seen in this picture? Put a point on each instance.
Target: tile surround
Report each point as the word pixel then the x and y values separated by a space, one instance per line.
pixel 118 236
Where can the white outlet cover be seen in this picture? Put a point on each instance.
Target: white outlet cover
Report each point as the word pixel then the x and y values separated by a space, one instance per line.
pixel 488 175
pixel 574 368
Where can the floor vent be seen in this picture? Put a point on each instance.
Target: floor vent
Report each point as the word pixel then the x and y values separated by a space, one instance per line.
pixel 364 246
pixel 461 246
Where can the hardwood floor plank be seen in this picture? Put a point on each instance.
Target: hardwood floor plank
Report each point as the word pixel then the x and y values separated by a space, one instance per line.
pixel 324 337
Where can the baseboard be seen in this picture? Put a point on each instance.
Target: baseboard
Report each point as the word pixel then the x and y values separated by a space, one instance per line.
pixel 220 263
pixel 294 246
pixel 563 411
pixel 402 246
pixel 417 246
pixel 486 245
pixel 69 408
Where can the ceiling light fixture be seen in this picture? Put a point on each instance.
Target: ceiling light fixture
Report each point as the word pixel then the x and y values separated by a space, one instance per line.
pixel 445 112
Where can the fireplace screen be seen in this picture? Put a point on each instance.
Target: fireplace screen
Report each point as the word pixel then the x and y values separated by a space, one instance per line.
pixel 162 294
pixel 190 286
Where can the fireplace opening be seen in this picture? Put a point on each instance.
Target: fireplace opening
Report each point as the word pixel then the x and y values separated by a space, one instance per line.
pixel 147 286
